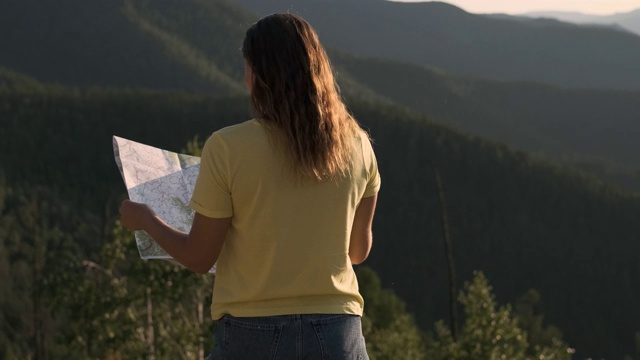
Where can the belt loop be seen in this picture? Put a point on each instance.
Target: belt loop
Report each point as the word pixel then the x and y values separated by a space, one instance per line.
pixel 298 331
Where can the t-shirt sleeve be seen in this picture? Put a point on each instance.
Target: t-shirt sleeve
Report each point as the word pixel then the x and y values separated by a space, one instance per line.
pixel 373 182
pixel 212 193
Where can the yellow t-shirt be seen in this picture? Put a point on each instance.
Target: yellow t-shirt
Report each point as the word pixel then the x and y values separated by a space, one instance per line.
pixel 286 251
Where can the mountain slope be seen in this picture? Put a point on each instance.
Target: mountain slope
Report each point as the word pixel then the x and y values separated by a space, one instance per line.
pixel 629 20
pixel 534 117
pixel 571 238
pixel 201 40
pixel 11 80
pixel 529 116
pixel 441 35
pixel 100 43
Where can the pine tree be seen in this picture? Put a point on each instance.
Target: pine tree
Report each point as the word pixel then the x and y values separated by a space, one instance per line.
pixel 490 332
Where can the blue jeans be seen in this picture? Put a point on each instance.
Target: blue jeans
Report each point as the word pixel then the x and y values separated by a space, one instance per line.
pixel 289 337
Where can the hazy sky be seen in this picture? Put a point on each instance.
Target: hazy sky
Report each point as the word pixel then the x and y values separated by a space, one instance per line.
pixel 602 7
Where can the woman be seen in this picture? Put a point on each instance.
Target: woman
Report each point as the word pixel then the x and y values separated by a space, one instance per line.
pixel 284 204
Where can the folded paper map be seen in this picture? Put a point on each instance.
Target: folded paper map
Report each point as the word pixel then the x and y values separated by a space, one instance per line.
pixel 163 180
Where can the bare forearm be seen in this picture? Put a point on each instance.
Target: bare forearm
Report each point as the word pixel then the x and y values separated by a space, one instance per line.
pixel 173 241
pixel 361 236
pixel 197 251
pixel 360 246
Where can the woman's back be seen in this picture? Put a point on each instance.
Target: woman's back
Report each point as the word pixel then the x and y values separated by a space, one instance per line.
pixel 287 248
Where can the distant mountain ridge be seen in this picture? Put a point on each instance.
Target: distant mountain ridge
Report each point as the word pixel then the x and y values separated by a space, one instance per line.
pixel 194 46
pixel 111 43
pixel 441 35
pixel 628 20
pixel 201 40
pixel 556 120
pixel 534 117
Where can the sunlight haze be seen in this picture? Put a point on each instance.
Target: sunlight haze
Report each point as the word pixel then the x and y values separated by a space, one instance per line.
pixel 596 7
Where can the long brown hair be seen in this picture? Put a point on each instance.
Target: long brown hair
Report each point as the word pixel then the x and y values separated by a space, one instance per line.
pixel 294 91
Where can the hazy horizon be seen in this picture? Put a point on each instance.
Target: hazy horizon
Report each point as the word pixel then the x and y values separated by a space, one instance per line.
pixel 595 7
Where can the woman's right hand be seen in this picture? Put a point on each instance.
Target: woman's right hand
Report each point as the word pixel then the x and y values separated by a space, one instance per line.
pixel 135 216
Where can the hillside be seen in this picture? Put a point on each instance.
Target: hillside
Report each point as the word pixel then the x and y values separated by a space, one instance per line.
pixel 11 80
pixel 110 44
pixel 627 20
pixel 154 44
pixel 568 237
pixel 441 35
pixel 540 118
pixel 534 117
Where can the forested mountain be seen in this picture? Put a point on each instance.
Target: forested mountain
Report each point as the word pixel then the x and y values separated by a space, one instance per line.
pixel 526 223
pixel 441 35
pixel 539 118
pixel 627 20
pixel 572 239
pixel 75 36
pixel 121 44
pixel 201 40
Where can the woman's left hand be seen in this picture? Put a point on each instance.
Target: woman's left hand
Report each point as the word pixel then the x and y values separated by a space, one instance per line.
pixel 135 216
